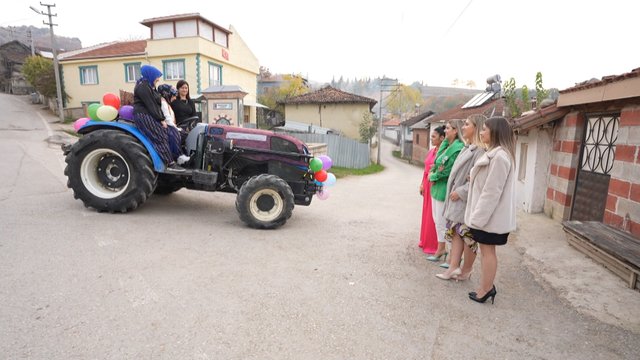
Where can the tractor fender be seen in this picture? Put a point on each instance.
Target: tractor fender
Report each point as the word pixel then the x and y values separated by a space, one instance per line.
pixel 93 125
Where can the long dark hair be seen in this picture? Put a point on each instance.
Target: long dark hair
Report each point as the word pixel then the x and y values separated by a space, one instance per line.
pixel 179 85
pixel 439 130
pixel 501 135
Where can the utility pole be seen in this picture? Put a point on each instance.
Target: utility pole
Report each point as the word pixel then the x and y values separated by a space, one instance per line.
pixel 30 36
pixel 55 54
pixel 386 85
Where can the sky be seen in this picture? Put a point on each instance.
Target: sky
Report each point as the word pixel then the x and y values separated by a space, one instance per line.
pixel 434 42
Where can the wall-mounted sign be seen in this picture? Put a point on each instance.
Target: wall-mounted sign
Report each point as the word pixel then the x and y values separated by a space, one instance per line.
pixel 223 106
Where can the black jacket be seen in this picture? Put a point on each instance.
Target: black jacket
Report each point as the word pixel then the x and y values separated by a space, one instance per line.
pixel 183 109
pixel 146 100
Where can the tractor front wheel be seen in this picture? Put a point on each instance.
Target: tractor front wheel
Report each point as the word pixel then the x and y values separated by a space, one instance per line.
pixel 265 202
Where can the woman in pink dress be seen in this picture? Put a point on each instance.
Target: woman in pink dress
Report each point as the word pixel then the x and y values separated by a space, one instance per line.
pixel 428 237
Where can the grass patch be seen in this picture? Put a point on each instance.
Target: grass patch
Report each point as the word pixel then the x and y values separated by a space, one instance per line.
pixel 396 154
pixel 341 172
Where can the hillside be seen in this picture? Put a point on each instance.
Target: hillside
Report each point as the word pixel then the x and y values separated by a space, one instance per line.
pixel 41 38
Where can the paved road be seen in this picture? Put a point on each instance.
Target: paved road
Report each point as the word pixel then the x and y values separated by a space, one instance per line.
pixel 183 278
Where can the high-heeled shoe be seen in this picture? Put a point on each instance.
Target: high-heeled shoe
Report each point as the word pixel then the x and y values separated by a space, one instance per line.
pixel 437 258
pixel 463 277
pixel 491 294
pixel 451 275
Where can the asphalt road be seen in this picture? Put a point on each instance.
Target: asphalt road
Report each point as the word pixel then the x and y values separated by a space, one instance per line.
pixel 183 278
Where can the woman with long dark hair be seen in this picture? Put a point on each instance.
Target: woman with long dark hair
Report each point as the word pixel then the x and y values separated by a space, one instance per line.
pixel 491 204
pixel 183 107
pixel 428 237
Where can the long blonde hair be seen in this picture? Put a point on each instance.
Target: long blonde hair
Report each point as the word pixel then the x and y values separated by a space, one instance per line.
pixel 477 120
pixel 457 124
pixel 501 135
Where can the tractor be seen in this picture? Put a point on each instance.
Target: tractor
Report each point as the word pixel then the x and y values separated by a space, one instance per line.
pixel 113 167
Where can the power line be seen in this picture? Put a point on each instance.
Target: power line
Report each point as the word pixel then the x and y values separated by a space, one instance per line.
pixel 458 18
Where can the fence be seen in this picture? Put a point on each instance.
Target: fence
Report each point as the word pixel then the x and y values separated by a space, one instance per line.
pixel 343 151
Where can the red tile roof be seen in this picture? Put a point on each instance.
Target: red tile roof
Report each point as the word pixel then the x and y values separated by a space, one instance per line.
pixel 329 95
pixel 123 48
pixel 492 108
pixel 604 81
pixel 391 122
pixel 539 117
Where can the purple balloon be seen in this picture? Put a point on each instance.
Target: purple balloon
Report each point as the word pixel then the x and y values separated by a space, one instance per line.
pixel 326 162
pixel 126 112
pixel 322 194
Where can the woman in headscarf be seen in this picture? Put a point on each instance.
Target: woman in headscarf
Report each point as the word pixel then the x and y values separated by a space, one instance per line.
pixel 149 119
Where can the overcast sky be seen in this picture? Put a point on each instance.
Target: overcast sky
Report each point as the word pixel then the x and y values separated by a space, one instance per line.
pixel 411 40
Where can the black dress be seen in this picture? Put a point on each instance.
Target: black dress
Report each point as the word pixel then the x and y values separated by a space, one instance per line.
pixel 183 109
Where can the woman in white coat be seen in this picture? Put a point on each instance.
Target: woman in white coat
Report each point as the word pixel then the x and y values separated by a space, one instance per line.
pixel 491 203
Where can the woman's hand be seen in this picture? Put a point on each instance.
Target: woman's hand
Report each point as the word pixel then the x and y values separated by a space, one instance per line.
pixel 164 124
pixel 454 196
pixel 421 189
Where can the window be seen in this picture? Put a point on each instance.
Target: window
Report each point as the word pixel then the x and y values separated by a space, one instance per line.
pixel 131 72
pixel 215 74
pixel 522 170
pixel 89 75
pixel 173 69
pixel 220 37
pixel 417 139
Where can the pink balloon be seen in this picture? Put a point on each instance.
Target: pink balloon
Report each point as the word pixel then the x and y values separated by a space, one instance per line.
pixel 80 123
pixel 323 194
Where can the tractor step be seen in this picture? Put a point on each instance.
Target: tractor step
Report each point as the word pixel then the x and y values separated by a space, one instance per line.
pixel 209 178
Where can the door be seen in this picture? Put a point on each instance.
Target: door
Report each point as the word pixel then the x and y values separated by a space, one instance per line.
pixel 596 162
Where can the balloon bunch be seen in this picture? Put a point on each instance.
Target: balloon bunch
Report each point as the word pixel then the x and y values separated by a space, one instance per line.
pixel 319 165
pixel 109 110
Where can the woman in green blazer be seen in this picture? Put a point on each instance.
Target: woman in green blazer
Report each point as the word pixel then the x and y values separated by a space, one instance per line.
pixel 447 154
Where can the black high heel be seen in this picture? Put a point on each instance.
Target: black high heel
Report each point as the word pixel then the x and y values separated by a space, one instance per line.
pixel 491 294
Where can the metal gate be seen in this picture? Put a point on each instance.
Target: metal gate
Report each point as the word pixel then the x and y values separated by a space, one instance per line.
pixel 596 161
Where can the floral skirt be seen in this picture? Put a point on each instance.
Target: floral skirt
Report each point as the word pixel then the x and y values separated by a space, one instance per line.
pixel 465 234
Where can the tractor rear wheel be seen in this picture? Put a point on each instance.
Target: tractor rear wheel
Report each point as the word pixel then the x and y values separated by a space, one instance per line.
pixel 265 202
pixel 109 170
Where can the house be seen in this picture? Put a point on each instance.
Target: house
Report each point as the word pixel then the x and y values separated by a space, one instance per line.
pixel 186 46
pixel 12 57
pixel 391 129
pixel 593 137
pixel 488 103
pixel 330 108
pixel 406 133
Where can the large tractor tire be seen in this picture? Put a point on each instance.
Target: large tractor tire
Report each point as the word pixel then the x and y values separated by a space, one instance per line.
pixel 110 170
pixel 265 202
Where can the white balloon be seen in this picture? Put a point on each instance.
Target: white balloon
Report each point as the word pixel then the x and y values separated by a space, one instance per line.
pixel 106 113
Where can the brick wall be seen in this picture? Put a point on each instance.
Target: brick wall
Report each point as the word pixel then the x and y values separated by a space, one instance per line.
pixel 564 164
pixel 420 147
pixel 623 201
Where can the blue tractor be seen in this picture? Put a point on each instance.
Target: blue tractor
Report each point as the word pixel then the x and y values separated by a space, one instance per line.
pixel 113 167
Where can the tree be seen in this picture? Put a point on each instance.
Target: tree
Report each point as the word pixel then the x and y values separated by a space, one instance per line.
pixel 541 93
pixel 510 98
pixel 40 74
pixel 526 101
pixel 292 85
pixel 367 127
pixel 403 99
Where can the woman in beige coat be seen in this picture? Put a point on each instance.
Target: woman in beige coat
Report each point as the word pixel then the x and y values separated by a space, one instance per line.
pixel 457 233
pixel 491 204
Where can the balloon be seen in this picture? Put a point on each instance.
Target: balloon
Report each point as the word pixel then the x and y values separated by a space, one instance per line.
pixel 126 112
pixel 92 111
pixel 319 183
pixel 80 123
pixel 107 113
pixel 111 100
pixel 315 164
pixel 326 162
pixel 331 180
pixel 323 194
pixel 320 175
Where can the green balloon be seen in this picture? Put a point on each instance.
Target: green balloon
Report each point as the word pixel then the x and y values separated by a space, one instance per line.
pixel 92 110
pixel 315 164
